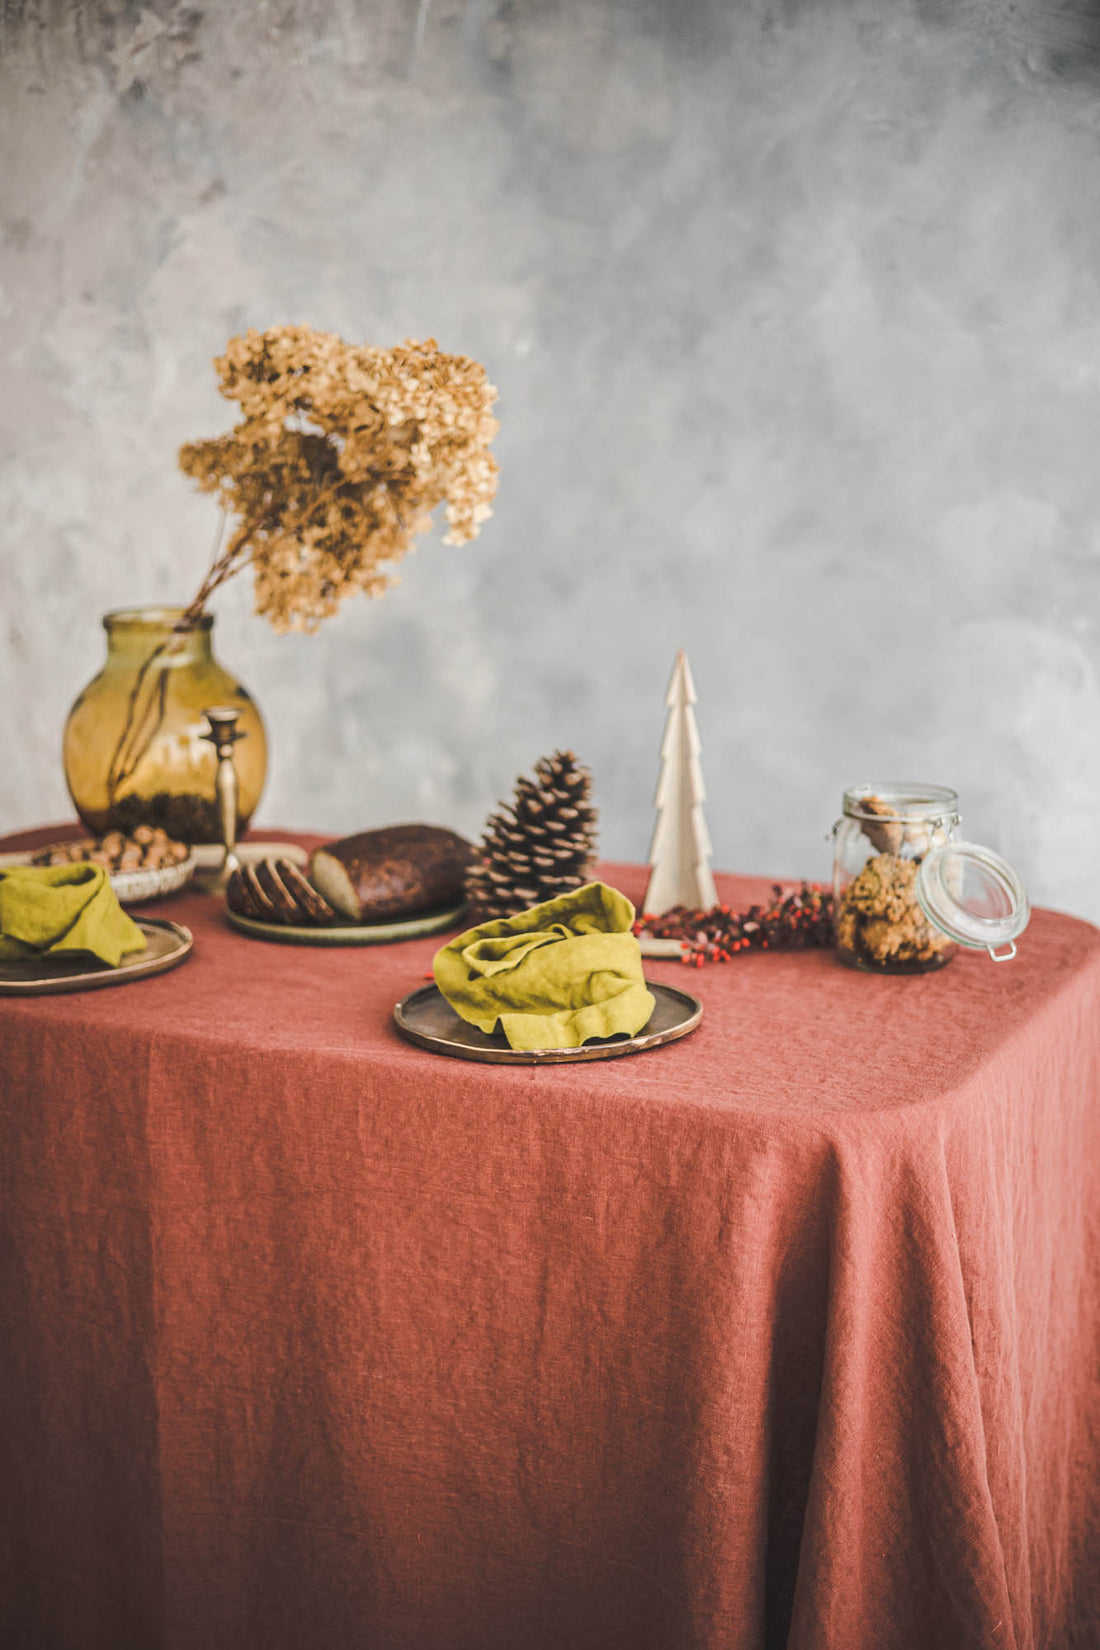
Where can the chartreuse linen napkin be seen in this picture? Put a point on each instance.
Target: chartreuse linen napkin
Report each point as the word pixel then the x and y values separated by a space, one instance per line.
pixel 554 975
pixel 56 909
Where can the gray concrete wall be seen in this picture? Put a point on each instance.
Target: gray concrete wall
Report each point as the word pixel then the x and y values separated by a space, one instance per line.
pixel 794 312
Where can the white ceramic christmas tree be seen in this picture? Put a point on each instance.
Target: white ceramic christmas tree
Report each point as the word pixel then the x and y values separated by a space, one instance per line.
pixel 679 855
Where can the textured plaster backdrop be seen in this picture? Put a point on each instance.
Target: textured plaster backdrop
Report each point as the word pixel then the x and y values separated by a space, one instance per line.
pixel 795 316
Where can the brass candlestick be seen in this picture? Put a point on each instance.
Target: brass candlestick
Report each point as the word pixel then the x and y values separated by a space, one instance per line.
pixel 223 735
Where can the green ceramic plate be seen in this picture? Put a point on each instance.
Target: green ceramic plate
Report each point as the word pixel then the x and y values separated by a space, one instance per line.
pixel 346 933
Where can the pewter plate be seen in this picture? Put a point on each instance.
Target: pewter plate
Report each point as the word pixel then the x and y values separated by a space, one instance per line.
pixel 651 946
pixel 426 1018
pixel 347 933
pixel 166 946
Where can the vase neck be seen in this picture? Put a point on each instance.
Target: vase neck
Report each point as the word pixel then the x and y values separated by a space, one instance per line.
pixel 133 633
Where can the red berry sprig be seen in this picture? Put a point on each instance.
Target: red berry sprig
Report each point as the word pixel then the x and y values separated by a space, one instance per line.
pixel 792 921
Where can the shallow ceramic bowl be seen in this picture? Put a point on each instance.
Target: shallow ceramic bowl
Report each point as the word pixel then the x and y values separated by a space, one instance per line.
pixel 130 887
pixel 152 881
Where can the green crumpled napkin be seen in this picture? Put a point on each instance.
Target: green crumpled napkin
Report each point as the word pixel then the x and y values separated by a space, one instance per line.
pixel 63 908
pixel 554 976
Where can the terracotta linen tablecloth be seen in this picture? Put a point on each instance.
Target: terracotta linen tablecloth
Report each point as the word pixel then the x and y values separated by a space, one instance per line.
pixel 783 1335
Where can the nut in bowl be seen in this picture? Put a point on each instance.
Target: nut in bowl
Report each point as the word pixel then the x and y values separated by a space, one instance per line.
pixel 147 865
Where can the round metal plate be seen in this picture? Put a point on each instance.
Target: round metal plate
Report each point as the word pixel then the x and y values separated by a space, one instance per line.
pixel 427 1018
pixel 347 933
pixel 166 946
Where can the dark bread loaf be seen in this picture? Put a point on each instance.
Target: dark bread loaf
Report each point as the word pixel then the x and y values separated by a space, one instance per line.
pixel 314 909
pixel 283 904
pixel 240 896
pixel 261 906
pixel 274 890
pixel 395 872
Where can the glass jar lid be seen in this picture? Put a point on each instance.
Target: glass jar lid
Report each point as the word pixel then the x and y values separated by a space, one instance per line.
pixel 974 897
pixel 898 799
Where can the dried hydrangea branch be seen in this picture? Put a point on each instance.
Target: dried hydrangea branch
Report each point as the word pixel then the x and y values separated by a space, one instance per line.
pixel 223 567
pixel 348 449
pixel 341 455
pixel 131 748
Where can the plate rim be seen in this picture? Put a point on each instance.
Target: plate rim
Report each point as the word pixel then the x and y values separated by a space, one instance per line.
pixel 502 1055
pixel 337 934
pixel 142 968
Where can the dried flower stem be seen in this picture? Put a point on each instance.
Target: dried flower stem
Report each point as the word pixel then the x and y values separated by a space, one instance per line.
pixel 131 747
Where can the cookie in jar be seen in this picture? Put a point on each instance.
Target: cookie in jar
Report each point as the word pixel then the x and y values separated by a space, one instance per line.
pixel 909 892
pixel 880 843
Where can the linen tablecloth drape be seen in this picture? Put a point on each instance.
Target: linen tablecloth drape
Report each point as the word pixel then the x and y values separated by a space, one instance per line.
pixel 783 1335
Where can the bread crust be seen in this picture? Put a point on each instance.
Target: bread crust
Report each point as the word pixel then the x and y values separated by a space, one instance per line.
pixel 239 896
pixel 264 909
pixel 395 872
pixel 284 905
pixel 312 907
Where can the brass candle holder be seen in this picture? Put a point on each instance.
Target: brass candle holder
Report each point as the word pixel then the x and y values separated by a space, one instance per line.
pixel 223 734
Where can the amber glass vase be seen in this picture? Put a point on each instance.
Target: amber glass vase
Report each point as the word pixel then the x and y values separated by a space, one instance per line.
pixel 133 747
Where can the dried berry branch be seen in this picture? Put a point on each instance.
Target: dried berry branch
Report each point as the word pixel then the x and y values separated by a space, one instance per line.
pixel 791 921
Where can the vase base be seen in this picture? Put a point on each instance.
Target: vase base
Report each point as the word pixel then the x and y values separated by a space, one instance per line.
pixel 185 816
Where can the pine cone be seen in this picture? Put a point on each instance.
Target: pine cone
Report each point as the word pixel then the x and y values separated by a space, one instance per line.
pixel 541 846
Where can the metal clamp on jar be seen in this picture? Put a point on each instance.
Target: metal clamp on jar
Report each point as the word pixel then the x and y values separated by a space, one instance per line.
pixel 908 891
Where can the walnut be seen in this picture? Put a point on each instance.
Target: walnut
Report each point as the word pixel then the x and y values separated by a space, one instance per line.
pixel 146 850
